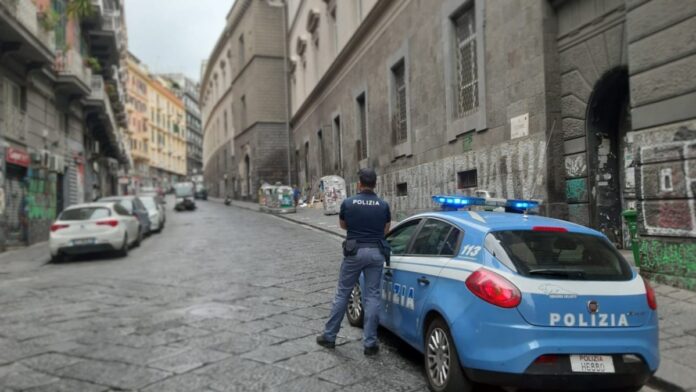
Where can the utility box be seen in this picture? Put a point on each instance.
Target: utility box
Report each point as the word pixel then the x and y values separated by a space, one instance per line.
pixel 333 190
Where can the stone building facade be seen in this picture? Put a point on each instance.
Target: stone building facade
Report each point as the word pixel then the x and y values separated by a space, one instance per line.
pixel 61 114
pixel 584 104
pixel 243 102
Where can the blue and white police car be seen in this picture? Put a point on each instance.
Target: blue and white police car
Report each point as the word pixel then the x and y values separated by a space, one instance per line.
pixel 515 300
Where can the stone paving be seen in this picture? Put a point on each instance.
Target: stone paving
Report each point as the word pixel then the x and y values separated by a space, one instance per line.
pixel 225 299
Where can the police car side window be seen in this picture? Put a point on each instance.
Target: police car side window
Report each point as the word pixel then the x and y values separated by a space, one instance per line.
pixel 400 238
pixel 431 238
pixel 449 247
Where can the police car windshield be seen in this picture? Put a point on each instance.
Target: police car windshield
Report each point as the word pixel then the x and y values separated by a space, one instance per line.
pixel 560 255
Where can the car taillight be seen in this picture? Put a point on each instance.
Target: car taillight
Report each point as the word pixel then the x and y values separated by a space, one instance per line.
pixel 552 229
pixel 56 226
pixel 650 295
pixel 494 289
pixel 112 223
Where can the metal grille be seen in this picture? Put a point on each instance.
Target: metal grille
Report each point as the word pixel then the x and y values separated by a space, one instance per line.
pixel 362 117
pixel 399 115
pixel 466 90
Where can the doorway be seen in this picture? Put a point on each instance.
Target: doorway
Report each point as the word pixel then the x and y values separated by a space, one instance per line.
pixel 610 175
pixel 247 167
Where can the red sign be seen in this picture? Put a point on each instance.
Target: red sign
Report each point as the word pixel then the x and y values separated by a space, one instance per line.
pixel 17 157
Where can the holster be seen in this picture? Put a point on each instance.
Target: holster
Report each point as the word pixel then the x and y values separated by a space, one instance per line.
pixel 350 248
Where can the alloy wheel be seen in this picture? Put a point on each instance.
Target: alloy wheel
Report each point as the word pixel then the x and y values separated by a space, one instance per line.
pixel 438 357
pixel 355 307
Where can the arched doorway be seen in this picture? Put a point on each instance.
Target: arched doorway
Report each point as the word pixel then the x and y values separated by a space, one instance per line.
pixel 610 162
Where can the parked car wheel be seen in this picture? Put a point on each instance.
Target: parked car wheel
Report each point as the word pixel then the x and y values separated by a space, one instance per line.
pixel 355 312
pixel 140 237
pixel 57 258
pixel 123 252
pixel 442 366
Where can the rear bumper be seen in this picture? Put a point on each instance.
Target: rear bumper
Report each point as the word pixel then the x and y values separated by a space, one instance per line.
pixel 558 376
pixel 85 249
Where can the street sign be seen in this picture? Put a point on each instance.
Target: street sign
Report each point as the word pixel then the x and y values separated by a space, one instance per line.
pixel 18 157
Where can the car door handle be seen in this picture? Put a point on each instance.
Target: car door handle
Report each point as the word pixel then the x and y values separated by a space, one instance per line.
pixel 388 274
pixel 423 281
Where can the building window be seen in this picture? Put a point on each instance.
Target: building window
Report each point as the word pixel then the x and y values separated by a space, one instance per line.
pixel 338 139
pixel 321 152
pixel 242 52
pixel 362 126
pixel 467 179
pixel 226 129
pixel 402 189
pixel 466 72
pixel 399 113
pixel 243 112
pixel 334 29
pixel 306 164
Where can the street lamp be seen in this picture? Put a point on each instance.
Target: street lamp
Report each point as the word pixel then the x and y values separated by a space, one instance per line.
pixel 283 4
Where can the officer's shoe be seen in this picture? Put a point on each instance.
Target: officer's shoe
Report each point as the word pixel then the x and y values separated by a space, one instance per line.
pixel 371 351
pixel 322 341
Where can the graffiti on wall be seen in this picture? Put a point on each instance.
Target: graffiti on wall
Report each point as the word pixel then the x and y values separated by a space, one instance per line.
pixel 576 190
pixel 576 165
pixel 669 258
pixel 514 169
pixel 668 185
pixel 40 200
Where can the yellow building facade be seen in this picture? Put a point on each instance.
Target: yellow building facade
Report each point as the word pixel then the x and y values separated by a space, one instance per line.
pixel 156 129
pixel 167 147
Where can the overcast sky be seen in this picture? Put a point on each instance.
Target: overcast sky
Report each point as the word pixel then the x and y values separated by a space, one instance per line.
pixel 175 35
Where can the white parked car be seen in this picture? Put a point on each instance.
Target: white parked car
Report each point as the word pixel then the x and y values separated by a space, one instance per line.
pixel 92 228
pixel 156 212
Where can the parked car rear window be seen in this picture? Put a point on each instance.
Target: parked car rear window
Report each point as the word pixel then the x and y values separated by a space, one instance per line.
pixel 86 213
pixel 558 255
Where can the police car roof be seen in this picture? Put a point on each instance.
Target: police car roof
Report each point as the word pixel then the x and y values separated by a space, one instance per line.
pixel 486 221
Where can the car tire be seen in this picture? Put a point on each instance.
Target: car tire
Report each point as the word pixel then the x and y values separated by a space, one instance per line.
pixel 442 368
pixel 123 252
pixel 355 312
pixel 140 237
pixel 57 258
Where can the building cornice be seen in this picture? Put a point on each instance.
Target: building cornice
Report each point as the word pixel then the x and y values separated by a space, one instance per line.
pixel 343 60
pixel 233 17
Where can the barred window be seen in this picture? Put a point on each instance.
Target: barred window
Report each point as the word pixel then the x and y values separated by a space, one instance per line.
pixel 362 124
pixel 399 125
pixel 466 89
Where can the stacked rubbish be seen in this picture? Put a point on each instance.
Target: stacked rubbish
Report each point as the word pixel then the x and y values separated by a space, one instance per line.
pixel 276 199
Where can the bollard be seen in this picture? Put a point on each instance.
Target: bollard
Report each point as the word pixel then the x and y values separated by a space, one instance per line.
pixel 631 217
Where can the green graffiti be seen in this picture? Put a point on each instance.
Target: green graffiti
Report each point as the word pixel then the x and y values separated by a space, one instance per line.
pixel 576 190
pixel 40 201
pixel 677 259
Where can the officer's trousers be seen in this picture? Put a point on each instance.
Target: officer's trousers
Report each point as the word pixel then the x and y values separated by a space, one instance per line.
pixel 370 262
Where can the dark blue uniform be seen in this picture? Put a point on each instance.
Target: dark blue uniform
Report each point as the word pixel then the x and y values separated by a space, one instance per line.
pixel 366 216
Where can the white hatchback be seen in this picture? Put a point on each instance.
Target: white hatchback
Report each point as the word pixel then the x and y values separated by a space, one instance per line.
pixel 93 228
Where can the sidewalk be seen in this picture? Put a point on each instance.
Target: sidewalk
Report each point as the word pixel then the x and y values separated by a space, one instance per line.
pixel 677 311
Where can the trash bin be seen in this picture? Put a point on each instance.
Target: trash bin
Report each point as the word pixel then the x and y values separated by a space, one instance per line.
pixel 265 196
pixel 631 217
pixel 333 189
pixel 282 200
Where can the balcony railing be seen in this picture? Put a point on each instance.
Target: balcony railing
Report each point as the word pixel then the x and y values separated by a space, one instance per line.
pixel 26 14
pixel 70 62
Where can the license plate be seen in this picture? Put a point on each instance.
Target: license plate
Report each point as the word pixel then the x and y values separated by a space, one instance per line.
pixel 592 363
pixel 83 241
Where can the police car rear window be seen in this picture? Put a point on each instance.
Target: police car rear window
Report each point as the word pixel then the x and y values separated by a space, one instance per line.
pixel 560 255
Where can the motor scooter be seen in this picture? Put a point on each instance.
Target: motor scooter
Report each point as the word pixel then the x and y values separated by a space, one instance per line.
pixel 228 200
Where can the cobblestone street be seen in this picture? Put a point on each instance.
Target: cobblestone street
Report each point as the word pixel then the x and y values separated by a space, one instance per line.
pixel 225 299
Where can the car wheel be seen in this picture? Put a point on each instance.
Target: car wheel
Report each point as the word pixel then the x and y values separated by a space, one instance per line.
pixel 442 366
pixel 355 312
pixel 123 252
pixel 140 237
pixel 57 258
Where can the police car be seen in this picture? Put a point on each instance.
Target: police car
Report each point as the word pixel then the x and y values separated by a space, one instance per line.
pixel 516 300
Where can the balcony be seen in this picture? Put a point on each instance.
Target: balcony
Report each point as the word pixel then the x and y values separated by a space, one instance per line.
pixel 105 38
pixel 73 77
pixel 95 18
pixel 103 121
pixel 22 34
pixel 14 123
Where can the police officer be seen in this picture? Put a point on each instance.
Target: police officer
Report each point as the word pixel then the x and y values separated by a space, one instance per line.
pixel 366 218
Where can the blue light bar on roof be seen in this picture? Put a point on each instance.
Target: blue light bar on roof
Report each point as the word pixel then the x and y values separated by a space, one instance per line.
pixel 458 201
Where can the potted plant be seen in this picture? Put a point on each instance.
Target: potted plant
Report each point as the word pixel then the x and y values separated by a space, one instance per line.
pixel 48 19
pixel 93 64
pixel 80 8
